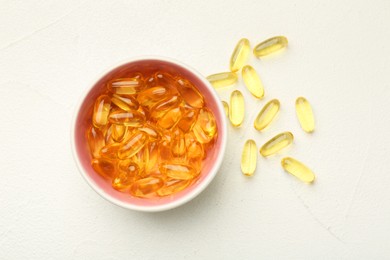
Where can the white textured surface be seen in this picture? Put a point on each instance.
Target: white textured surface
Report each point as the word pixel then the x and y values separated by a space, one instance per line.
pixel 338 58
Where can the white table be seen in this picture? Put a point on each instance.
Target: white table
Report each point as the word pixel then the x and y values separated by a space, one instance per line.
pixel 338 57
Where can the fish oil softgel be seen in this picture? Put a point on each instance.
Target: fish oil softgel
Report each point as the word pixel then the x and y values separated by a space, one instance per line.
pixel 149 134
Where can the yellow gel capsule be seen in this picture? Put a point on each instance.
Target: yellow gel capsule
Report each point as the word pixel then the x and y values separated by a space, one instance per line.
pixel 223 79
pixel 131 118
pixel 172 186
pixel 178 171
pixel 237 108
pixel 240 55
pixel 249 158
pixel 297 169
pixel 276 143
pixel 125 103
pixel 101 111
pixel 226 108
pixel 146 186
pixel 267 114
pixel 270 45
pixel 118 132
pixel 132 145
pixel 96 141
pixel 104 167
pixel 305 114
pixel 252 81
pixel 127 86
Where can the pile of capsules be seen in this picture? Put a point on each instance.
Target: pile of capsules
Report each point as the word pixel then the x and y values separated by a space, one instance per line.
pixel 236 110
pixel 149 134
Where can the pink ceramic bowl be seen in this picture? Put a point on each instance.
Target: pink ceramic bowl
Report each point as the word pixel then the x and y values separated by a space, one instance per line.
pixel 83 116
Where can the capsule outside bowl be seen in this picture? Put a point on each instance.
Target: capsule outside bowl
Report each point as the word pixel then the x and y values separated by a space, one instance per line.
pixel 82 118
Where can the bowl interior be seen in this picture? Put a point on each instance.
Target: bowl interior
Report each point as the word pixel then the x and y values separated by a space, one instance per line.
pixel 83 118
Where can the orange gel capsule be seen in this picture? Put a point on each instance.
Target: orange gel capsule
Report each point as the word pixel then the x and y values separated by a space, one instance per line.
pixel 178 171
pixel 95 140
pixel 127 86
pixel 151 96
pixel 162 107
pixel 172 186
pixel 170 118
pixel 110 151
pixel 101 110
pixel 118 132
pixel 126 103
pixel 205 127
pixel 188 119
pixel 146 186
pixel 132 145
pixel 124 179
pixel 104 167
pixel 190 94
pixel 128 118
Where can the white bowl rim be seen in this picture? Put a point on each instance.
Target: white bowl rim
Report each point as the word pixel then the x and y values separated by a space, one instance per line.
pixel 201 186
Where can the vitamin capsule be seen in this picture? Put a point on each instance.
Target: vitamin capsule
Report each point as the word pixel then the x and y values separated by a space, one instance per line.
pixel 276 143
pixel 151 96
pixel 267 114
pixel 189 93
pixel 126 86
pixel 178 171
pixel 126 103
pixel 297 169
pixel 252 81
pixel 172 186
pixel 223 79
pixel 95 140
pixel 104 167
pixel 162 107
pixel 237 108
pixel 118 132
pixel 249 158
pixel 110 151
pixel 146 186
pixel 240 55
pixel 226 108
pixel 101 110
pixel 270 45
pixel 305 114
pixel 170 118
pixel 132 145
pixel 128 118
pixel 124 179
pixel 187 119
pixel 205 127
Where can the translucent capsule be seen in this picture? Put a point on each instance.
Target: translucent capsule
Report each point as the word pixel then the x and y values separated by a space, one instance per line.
pixel 249 158
pixel 110 151
pixel 252 81
pixel 118 132
pixel 170 118
pixel 128 118
pixel 162 107
pixel 172 186
pixel 270 45
pixel 178 171
pixel 223 79
pixel 151 96
pixel 297 169
pixel 205 127
pixel 95 140
pixel 226 108
pixel 240 55
pixel 237 108
pixel 187 119
pixel 276 143
pixel 146 186
pixel 104 167
pixel 132 145
pixel 124 179
pixel 101 110
pixel 190 93
pixel 267 114
pixel 126 103
pixel 127 86
pixel 305 114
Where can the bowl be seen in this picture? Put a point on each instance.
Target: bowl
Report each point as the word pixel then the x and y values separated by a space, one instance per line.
pixel 82 117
